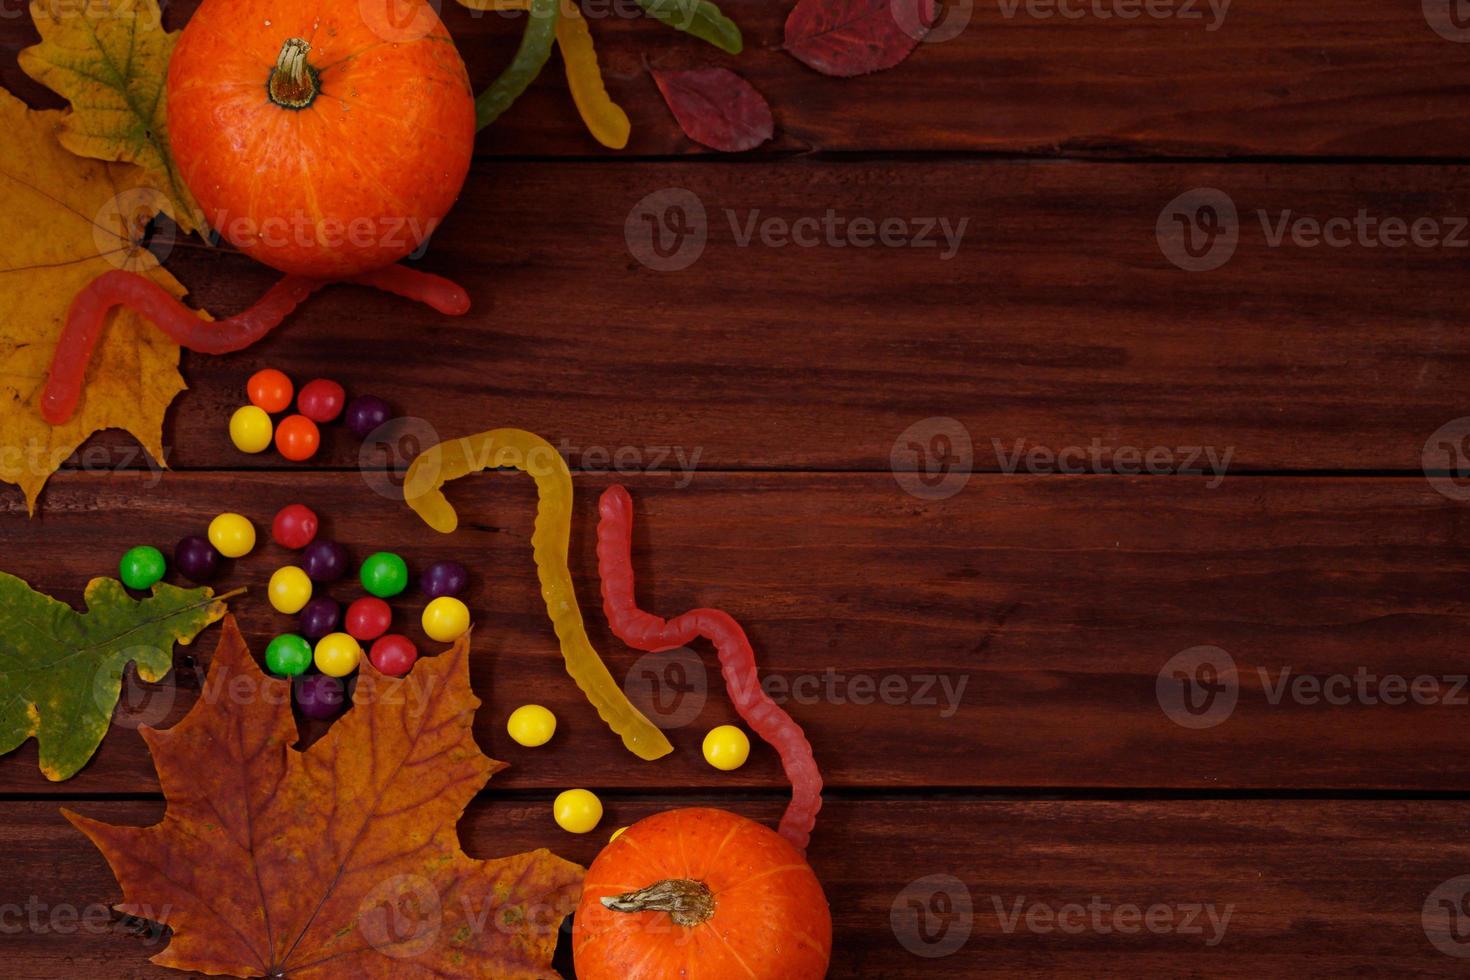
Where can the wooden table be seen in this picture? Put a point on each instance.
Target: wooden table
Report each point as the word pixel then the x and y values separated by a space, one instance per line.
pixel 948 495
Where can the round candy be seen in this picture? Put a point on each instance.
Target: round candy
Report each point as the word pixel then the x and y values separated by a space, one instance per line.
pixel 531 725
pixel 232 535
pixel 726 747
pixel 443 578
pixel 288 655
pixel 289 590
pixel 366 413
pixel 270 390
pixel 384 574
pixel 251 429
pixel 319 696
pixel 321 400
pixel 577 810
pixel 325 561
pixel 337 654
pixel 446 619
pixel 320 617
pixel 141 567
pixel 393 654
pixel 294 527
pixel 368 618
pixel 195 558
pixel 297 438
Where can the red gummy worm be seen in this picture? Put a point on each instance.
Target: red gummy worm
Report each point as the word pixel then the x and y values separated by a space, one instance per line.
pixel 645 631
pixel 117 287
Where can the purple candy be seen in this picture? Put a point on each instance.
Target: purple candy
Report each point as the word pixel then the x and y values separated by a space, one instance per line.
pixel 196 559
pixel 324 561
pixel 444 578
pixel 366 413
pixel 320 617
pixel 319 696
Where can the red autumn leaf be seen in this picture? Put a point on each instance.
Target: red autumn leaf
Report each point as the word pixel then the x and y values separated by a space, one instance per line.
pixel 339 861
pixel 857 37
pixel 718 108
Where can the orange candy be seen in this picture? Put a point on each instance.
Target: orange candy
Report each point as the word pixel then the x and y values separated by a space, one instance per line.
pixel 270 389
pixel 297 438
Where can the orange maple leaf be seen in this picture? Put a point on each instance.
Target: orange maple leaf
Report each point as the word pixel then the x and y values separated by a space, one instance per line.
pixel 339 861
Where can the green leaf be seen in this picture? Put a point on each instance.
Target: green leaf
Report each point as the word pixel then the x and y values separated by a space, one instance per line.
pixel 700 18
pixel 61 670
pixel 109 58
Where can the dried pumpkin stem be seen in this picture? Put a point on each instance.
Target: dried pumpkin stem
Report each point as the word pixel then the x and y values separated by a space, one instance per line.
pixel 688 902
pixel 292 83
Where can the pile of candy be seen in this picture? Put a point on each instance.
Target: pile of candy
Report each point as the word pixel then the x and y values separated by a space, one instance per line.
pixel 296 436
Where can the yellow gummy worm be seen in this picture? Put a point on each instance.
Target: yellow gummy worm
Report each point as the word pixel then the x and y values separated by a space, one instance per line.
pixel 502 448
pixel 605 119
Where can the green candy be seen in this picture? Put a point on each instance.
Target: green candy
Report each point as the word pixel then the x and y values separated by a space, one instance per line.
pixel 384 574
pixel 142 567
pixel 288 655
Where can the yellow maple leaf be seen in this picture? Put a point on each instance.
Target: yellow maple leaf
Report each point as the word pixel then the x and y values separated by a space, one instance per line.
pixel 66 220
pixel 109 59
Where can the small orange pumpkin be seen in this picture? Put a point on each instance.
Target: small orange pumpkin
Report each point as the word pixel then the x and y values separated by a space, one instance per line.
pixel 323 137
pixel 701 894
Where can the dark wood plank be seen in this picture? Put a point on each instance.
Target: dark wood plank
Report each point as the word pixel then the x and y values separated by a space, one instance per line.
pixel 1359 77
pixel 1058 323
pixel 1049 607
pixel 1341 886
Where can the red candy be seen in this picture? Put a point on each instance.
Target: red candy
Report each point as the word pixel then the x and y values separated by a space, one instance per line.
pixel 393 655
pixel 368 618
pixel 321 400
pixel 294 527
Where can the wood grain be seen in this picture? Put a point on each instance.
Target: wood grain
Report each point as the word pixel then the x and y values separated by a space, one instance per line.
pixel 1274 78
pixel 1058 323
pixel 1020 625
pixel 1337 885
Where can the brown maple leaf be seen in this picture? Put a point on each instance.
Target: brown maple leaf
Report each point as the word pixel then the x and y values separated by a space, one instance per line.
pixel 340 861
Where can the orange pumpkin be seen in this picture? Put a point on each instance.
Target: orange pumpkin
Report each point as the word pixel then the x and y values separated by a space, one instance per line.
pixel 701 894
pixel 322 137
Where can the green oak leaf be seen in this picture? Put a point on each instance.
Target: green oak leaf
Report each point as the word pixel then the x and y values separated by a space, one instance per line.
pixel 109 59
pixel 700 18
pixel 61 670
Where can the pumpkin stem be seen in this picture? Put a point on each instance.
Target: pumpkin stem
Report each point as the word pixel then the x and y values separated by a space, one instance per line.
pixel 292 83
pixel 688 902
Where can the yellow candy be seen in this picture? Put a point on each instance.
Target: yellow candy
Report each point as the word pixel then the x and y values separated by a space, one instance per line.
pixel 616 834
pixel 337 654
pixel 726 747
pixel 232 535
pixel 289 589
pixel 446 619
pixel 577 811
pixel 531 725
pixel 251 429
